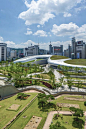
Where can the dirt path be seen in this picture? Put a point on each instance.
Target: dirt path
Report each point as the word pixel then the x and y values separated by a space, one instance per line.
pixel 31 91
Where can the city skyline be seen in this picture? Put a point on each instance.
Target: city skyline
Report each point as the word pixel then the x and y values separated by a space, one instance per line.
pixel 27 22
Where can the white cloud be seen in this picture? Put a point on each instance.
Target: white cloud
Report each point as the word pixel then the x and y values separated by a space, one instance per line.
pixel 41 11
pixel 77 10
pixel 38 26
pixel 40 33
pixel 65 29
pixel 70 29
pixel 67 14
pixel 29 32
pixel 1 39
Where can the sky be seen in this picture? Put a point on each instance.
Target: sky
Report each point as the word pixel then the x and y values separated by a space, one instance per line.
pixel 26 22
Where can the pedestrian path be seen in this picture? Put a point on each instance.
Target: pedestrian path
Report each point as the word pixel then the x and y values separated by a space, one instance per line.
pixel 51 114
pixel 50 117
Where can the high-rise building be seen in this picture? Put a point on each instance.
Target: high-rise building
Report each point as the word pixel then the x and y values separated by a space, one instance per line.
pixel 78 48
pixel 58 50
pixel 3 51
pixel 32 50
pixel 50 48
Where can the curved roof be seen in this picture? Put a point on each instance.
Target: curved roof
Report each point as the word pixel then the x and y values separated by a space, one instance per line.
pixel 52 62
pixel 30 58
pixel 61 62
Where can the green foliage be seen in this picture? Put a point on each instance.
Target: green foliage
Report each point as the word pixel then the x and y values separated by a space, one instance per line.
pixel 55 117
pixel 85 103
pixel 21 96
pixel 44 99
pixel 78 123
pixel 57 57
pixel 76 61
pixel 57 125
pixel 78 112
pixel 69 82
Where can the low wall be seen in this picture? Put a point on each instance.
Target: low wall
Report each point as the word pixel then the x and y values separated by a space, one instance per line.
pixel 31 89
pixel 69 92
pixel 7 90
pixel 76 76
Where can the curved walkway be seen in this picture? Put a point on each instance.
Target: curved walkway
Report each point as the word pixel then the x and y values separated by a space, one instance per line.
pixel 50 117
pixel 61 62
pixel 48 91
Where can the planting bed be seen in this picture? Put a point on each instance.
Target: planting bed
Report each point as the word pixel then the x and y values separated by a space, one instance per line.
pixel 14 107
pixel 76 99
pixel 67 105
pixel 33 123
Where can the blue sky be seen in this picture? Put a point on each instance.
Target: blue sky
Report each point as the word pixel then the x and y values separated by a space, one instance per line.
pixel 23 22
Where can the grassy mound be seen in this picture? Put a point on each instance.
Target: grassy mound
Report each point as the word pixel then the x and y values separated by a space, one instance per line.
pixel 57 57
pixel 76 62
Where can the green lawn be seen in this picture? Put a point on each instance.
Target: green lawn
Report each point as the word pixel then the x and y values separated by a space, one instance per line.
pixel 5 115
pixel 32 110
pixel 76 61
pixel 68 121
pixel 29 62
pixel 62 100
pixel 43 75
pixel 57 57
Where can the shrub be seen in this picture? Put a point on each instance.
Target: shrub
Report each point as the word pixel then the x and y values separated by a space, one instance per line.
pixel 85 103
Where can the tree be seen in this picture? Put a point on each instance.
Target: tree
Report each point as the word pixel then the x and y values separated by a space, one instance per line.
pixel 50 97
pixel 59 67
pixel 69 82
pixel 44 99
pixel 85 103
pixel 57 125
pixel 77 112
pixel 79 84
pixel 61 80
pixel 42 102
pixel 58 85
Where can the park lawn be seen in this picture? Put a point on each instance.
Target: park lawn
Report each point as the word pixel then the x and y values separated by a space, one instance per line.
pixel 28 62
pixel 32 110
pixel 32 70
pixel 76 61
pixel 5 115
pixel 67 121
pixel 43 75
pixel 62 100
pixel 57 57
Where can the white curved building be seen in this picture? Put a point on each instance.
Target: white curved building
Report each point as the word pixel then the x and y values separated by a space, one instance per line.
pixel 51 62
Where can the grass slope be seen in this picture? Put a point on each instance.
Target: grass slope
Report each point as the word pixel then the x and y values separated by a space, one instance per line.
pixel 57 57
pixel 5 115
pixel 77 61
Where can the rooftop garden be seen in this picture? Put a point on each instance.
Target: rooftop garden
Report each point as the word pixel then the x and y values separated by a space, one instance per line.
pixel 76 62
pixel 57 57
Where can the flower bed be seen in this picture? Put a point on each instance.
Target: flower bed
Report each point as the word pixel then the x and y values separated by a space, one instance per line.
pixel 46 84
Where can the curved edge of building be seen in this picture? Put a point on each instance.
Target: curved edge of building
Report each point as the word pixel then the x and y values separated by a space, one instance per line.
pixel 51 62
